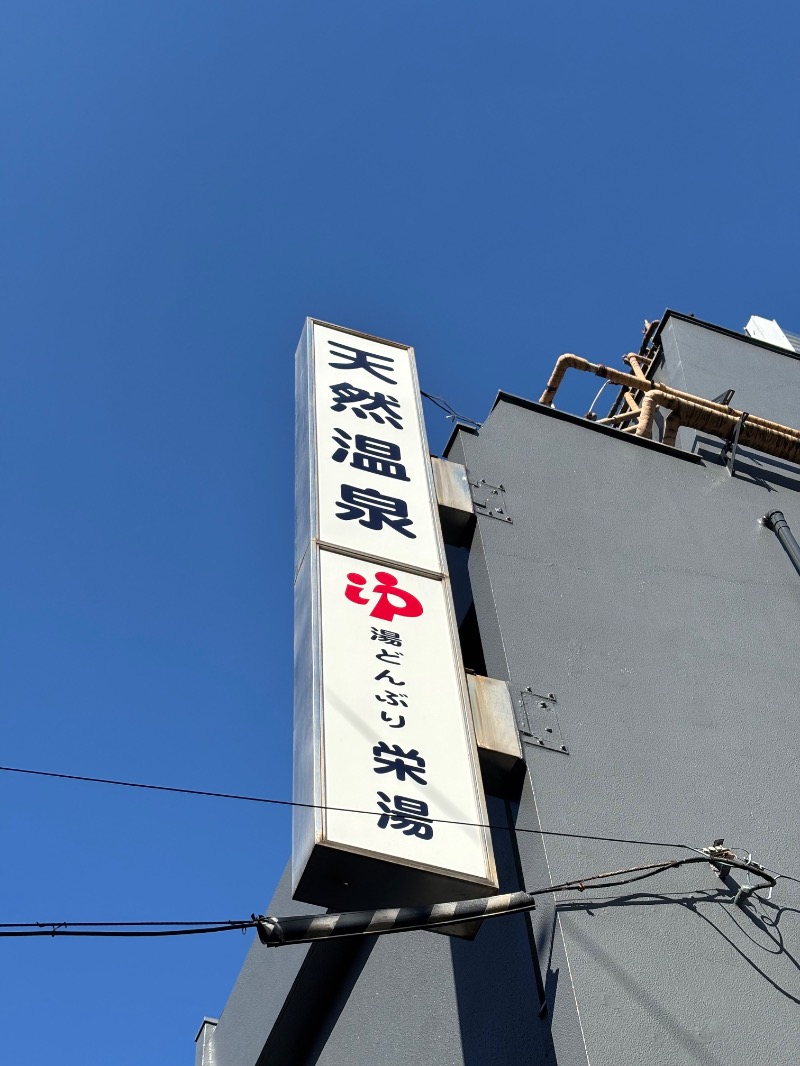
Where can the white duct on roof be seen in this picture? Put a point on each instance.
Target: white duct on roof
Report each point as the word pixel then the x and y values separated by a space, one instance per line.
pixel 768 330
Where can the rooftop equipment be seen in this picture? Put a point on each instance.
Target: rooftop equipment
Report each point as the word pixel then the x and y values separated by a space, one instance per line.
pixel 643 398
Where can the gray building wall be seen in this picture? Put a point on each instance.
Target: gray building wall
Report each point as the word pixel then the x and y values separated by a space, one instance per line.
pixel 706 360
pixel 637 585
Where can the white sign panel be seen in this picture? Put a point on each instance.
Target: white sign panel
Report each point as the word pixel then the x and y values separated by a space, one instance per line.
pixel 373 470
pixel 385 755
pixel 395 736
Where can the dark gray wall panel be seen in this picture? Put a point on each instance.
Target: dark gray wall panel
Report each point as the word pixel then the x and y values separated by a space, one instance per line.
pixel 262 987
pixel 428 998
pixel 705 362
pixel 403 1008
pixel 643 592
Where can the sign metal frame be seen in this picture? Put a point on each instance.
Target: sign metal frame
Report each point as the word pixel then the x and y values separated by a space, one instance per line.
pixel 326 871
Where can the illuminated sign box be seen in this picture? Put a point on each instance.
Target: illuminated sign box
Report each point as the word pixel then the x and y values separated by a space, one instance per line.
pixel 385 755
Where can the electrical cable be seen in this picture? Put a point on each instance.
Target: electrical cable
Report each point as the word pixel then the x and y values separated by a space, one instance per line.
pixel 590 413
pixel 327 807
pixel 355 810
pixel 111 925
pixel 62 929
pixel 450 411
pixel 303 929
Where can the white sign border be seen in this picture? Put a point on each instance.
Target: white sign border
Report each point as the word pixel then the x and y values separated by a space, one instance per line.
pixel 315 440
pixel 310 825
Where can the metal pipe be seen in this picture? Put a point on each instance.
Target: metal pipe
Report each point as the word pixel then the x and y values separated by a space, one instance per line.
pixel 671 427
pixel 616 420
pixel 301 929
pixel 576 362
pixel 632 413
pixel 776 521
pixel 634 363
pixel 718 408
pixel 619 377
pixel 720 422
pixel 648 353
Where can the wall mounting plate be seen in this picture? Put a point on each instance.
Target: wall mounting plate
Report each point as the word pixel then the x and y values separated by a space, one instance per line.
pixel 537 718
pixel 490 500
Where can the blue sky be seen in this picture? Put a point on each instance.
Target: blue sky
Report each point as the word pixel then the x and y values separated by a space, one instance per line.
pixel 181 184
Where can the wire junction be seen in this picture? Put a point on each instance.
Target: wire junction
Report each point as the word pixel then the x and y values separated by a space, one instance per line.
pixel 305 929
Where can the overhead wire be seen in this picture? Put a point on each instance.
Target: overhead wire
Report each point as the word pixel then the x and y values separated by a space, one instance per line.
pixel 328 807
pixel 303 929
pixel 355 810
pixel 64 929
pixel 450 411
pixel 225 922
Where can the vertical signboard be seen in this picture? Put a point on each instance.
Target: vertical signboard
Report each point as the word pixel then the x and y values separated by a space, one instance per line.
pixel 385 757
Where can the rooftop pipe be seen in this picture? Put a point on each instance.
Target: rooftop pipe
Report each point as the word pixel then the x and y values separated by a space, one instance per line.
pixel 695 411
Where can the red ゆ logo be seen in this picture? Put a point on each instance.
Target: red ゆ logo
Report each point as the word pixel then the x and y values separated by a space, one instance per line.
pixel 391 599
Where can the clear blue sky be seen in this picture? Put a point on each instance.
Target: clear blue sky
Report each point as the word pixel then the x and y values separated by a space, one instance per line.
pixel 182 182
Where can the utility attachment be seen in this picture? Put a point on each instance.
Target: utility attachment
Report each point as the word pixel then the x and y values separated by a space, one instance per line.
pixel 723 860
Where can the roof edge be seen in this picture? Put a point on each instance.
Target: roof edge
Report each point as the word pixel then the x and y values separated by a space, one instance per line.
pixel 459 427
pixel 595 427
pixel 721 329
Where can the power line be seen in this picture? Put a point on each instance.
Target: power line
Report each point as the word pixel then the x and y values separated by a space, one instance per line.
pixel 328 807
pixel 225 923
pixel 450 411
pixel 304 929
pixel 349 810
pixel 64 929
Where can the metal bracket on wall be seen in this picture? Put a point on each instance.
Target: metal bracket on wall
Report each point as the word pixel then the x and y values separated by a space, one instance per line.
pixel 733 443
pixel 537 719
pixel 489 500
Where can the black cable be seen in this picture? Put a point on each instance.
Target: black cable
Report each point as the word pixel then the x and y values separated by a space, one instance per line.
pixel 304 929
pixel 300 929
pixel 351 810
pixel 112 925
pixel 451 412
pixel 58 929
pixel 342 810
